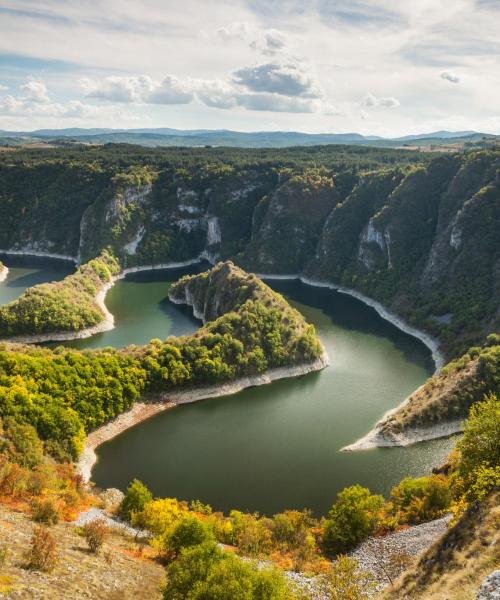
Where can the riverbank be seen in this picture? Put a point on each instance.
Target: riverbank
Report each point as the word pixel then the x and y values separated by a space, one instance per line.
pixel 40 254
pixel 376 438
pixel 4 271
pixel 428 340
pixel 141 411
pixel 108 322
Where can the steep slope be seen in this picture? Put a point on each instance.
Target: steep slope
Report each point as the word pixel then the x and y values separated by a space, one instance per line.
pixel 421 238
pixel 441 405
pixel 456 565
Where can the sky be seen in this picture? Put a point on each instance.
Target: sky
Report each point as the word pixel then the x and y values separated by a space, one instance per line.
pixel 379 67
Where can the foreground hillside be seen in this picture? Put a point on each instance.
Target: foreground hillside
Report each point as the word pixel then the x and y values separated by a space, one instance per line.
pixel 457 564
pixel 418 234
pixel 119 572
pixel 188 551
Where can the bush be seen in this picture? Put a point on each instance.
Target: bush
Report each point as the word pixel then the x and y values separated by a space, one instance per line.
pixel 42 555
pixel 345 582
pixel 25 446
pixel 4 551
pixel 205 572
pixel 351 519
pixel 189 532
pixel 45 511
pixel 421 499
pixel 479 461
pixel 95 533
pixel 136 497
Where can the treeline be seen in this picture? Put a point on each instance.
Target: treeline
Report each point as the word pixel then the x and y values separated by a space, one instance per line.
pixel 415 231
pixel 64 393
pixel 62 306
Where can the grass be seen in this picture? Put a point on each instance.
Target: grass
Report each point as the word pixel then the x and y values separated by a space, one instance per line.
pixel 456 565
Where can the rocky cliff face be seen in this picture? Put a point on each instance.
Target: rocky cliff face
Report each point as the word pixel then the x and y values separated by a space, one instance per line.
pixel 218 291
pixel 424 240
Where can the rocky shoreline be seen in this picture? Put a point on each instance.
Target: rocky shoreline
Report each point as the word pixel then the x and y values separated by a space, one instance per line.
pixel 376 438
pixel 141 411
pixel 431 342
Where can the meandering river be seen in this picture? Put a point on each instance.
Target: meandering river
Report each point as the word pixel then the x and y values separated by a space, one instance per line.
pixel 275 446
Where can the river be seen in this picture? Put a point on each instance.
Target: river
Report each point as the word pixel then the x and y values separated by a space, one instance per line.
pixel 275 446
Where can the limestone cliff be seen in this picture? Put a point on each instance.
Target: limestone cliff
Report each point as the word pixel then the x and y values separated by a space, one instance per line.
pixel 421 239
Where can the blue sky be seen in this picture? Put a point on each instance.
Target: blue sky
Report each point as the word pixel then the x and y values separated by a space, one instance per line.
pixel 381 67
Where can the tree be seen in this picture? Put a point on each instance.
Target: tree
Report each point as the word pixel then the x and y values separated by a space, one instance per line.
pixel 479 461
pixel 189 532
pixel 421 499
pixel 351 519
pixel 136 497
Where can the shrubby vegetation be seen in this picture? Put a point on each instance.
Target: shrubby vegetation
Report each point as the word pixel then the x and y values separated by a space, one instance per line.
pixel 67 305
pixel 449 395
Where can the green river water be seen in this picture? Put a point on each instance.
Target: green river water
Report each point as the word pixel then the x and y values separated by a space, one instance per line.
pixel 275 446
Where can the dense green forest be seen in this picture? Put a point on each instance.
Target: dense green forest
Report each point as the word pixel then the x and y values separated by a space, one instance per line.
pixel 65 393
pixel 67 305
pixel 416 231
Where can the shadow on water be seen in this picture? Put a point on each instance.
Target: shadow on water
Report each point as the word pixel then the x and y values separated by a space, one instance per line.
pixel 352 314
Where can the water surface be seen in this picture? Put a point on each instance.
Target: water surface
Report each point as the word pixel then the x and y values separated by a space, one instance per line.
pixel 278 446
pixel 27 271
pixel 271 447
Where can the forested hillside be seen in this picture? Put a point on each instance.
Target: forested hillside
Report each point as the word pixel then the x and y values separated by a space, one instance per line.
pixel 418 233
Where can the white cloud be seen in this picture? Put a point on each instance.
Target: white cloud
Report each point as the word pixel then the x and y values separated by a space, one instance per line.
pixel 285 79
pixel 267 87
pixel 3 88
pixel 371 101
pixel 36 91
pixel 141 90
pixel 36 102
pixel 269 42
pixel 451 77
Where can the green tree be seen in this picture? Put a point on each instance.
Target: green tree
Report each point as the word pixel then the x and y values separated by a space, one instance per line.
pixel 189 532
pixel 421 499
pixel 479 462
pixel 351 519
pixel 136 497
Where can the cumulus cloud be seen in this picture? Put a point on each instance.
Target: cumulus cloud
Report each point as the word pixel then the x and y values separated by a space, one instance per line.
pixel 451 77
pixel 285 79
pixel 35 101
pixel 226 95
pixel 266 41
pixel 277 103
pixel 36 91
pixel 371 101
pixel 268 87
pixel 140 90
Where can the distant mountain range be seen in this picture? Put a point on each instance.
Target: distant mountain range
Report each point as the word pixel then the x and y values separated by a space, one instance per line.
pixel 165 136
